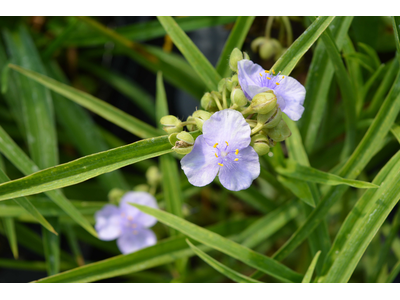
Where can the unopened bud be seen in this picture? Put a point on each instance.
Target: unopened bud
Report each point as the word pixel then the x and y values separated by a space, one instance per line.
pixel 191 127
pixel 236 55
pixel 171 124
pixel 280 132
pixel 270 48
pixel 263 103
pixel 115 195
pixel 246 56
pixel 256 44
pixel 141 188
pixel 222 85
pixel 274 119
pixel 207 102
pixel 238 97
pixel 183 142
pixel 153 176
pixel 260 144
pixel 200 116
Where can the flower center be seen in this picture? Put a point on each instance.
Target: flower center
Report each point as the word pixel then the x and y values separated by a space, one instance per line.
pixel 222 153
pixel 270 80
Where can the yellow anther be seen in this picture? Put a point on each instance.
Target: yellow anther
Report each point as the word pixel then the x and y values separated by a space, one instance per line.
pixel 268 78
pixel 283 77
pixel 215 146
pixel 216 155
pixel 260 74
pixel 226 143
pixel 273 72
pixel 237 151
pixel 277 83
pixel 236 159
pixel 130 218
pixel 221 164
pixel 266 71
pixel 134 226
pixel 135 232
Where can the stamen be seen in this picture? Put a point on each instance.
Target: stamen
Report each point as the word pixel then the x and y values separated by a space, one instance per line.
pixel 135 232
pixel 260 74
pixel 266 71
pixel 277 83
pixel 237 151
pixel 130 218
pixel 133 226
pixel 215 146
pixel 236 159
pixel 273 71
pixel 216 155
pixel 269 78
pixel 226 143
pixel 221 164
pixel 283 77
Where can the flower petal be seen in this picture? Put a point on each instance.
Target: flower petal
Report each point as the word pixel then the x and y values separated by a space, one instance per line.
pixel 227 125
pixel 293 93
pixel 249 75
pixel 138 216
pixel 134 240
pixel 108 221
pixel 200 165
pixel 238 175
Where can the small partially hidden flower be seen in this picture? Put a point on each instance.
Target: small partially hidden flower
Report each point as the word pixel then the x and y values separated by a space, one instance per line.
pixel 289 92
pixel 127 224
pixel 223 149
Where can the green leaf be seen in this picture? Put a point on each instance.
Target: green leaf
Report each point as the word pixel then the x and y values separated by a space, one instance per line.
pixel 249 257
pixel 296 171
pixel 59 40
pixel 295 52
pixel 75 171
pixel 319 79
pixel 235 40
pixel 164 252
pixel 174 68
pixel 144 31
pixel 308 276
pixel 82 130
pixel 299 188
pixel 26 166
pixel 224 270
pixel 107 111
pixel 393 274
pixel 395 130
pixel 193 55
pixel 51 245
pixel 28 206
pixel 129 88
pixel 352 168
pixel 362 223
pixel 396 32
pixel 9 229
pixel 161 100
pixel 256 199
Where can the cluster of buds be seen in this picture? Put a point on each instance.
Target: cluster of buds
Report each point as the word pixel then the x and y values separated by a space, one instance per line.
pixel 262 114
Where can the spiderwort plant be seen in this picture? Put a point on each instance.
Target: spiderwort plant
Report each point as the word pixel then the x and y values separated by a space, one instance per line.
pixel 127 224
pixel 224 150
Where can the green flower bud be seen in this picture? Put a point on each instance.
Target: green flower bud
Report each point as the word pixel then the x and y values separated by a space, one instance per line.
pixel 171 124
pixel 260 144
pixel 207 102
pixel 222 85
pixel 191 127
pixel 115 195
pixel 263 103
pixel 274 119
pixel 246 56
pixel 153 176
pixel 280 132
pixel 270 48
pixel 238 97
pixel 236 55
pixel 235 79
pixel 141 188
pixel 183 142
pixel 200 116
pixel 257 43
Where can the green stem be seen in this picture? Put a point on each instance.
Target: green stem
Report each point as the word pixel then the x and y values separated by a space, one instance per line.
pixel 289 34
pixel 217 102
pixel 224 102
pixel 269 27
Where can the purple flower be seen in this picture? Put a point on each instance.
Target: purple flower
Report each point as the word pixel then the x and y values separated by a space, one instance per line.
pixel 126 223
pixel 223 149
pixel 289 92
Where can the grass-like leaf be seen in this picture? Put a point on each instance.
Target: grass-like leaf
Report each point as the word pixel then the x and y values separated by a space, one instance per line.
pixel 9 229
pixel 249 257
pixel 308 276
pixel 190 51
pixel 228 272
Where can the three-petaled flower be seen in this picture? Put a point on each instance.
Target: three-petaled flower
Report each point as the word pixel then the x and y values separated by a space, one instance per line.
pixel 289 92
pixel 223 149
pixel 127 224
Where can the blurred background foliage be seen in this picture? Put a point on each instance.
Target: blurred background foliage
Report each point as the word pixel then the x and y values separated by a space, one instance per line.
pixel 70 50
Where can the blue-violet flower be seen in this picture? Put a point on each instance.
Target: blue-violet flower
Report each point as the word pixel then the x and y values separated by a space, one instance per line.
pixel 289 92
pixel 223 149
pixel 127 224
